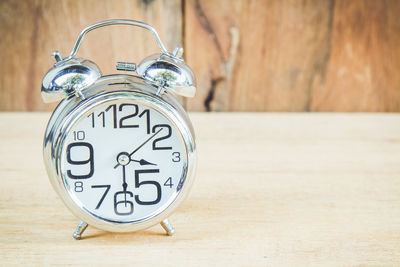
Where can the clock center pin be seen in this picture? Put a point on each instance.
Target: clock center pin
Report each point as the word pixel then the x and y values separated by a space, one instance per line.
pixel 123 158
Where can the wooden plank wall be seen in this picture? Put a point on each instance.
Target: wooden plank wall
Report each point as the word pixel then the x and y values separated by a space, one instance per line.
pixel 31 30
pixel 258 55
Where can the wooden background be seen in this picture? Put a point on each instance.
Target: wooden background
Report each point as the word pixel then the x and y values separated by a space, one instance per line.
pixel 266 55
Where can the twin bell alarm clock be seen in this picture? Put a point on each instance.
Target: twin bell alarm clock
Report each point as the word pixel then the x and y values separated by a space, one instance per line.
pixel 119 149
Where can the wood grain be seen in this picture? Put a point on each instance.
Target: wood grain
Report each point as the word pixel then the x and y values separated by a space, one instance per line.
pixel 256 55
pixel 294 55
pixel 363 73
pixel 261 55
pixel 271 190
pixel 26 44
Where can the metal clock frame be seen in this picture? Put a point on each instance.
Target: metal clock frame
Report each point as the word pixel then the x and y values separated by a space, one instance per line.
pixel 70 110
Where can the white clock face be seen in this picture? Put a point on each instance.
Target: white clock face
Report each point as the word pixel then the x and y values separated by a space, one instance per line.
pixel 123 161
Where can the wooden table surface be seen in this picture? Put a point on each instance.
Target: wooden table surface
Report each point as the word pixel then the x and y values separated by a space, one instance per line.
pixel 271 189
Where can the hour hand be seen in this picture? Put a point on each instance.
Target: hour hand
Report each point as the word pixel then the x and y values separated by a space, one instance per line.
pixel 144 162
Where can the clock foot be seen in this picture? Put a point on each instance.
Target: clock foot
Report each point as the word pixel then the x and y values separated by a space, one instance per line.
pixel 79 230
pixel 167 227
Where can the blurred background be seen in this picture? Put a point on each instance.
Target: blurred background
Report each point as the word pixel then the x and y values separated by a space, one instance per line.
pixel 291 55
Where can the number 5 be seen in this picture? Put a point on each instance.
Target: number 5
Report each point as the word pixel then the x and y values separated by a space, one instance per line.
pixel 138 184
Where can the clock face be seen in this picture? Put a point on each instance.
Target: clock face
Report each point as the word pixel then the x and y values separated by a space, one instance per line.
pixel 123 161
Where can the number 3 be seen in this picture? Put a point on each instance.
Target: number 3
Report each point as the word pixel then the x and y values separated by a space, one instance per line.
pixel 176 156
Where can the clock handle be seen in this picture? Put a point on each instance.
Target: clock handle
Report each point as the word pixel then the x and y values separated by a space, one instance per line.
pixel 165 71
pixel 117 22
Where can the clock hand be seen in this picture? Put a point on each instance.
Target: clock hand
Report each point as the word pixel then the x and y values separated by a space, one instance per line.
pixel 144 162
pixel 124 184
pixel 123 159
pixel 139 147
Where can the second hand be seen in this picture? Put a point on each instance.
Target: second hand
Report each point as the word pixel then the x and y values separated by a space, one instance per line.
pixel 139 147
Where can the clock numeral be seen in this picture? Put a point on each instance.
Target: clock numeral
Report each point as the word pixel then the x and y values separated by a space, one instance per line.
pixel 169 183
pixel 103 115
pixel 168 135
pixel 92 114
pixel 146 113
pixel 153 183
pixel 124 206
pixel 114 111
pixel 79 135
pixel 107 186
pixel 89 161
pixel 176 156
pixel 121 121
pixel 78 186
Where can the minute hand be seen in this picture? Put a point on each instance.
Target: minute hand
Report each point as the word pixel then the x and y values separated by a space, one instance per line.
pixel 139 147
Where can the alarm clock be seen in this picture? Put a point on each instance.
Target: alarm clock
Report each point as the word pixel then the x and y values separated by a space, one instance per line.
pixel 119 149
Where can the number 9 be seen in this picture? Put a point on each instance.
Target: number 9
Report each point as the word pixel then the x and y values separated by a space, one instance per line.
pixel 80 162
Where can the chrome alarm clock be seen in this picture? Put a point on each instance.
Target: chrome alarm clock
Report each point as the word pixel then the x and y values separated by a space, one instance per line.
pixel 119 149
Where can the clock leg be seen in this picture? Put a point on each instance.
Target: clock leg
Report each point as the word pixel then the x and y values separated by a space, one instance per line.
pixel 167 227
pixel 79 230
